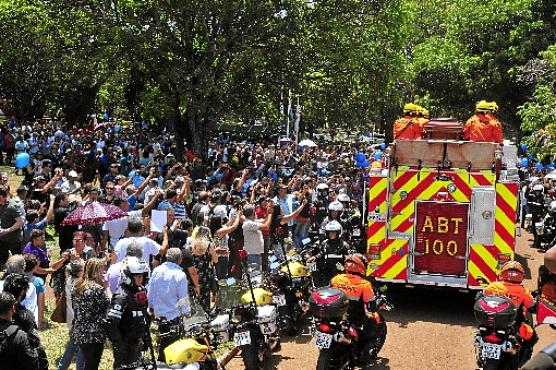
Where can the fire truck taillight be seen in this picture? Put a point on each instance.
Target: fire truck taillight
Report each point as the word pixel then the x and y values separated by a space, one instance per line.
pixel 374 252
pixel 502 259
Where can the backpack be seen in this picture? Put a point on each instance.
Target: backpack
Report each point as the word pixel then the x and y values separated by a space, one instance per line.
pixel 5 335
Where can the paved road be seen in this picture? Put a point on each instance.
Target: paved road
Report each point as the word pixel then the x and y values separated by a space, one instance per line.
pixel 428 329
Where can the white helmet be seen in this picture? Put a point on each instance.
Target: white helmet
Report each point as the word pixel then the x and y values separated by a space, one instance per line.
pixel 552 207
pixel 134 266
pixel 322 187
pixel 538 187
pixel 344 198
pixel 335 206
pixel 333 226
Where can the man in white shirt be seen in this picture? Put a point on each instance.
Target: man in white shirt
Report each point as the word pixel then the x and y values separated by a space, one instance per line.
pixel 136 229
pixel 253 238
pixel 16 265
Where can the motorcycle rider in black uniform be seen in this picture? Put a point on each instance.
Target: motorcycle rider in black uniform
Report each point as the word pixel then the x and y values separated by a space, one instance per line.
pixel 17 285
pixel 16 353
pixel 321 203
pixel 331 252
pixel 127 320
pixel 536 203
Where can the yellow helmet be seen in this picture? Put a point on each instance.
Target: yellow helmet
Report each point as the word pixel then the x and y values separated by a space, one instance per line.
pixel 494 106
pixel 485 107
pixel 410 108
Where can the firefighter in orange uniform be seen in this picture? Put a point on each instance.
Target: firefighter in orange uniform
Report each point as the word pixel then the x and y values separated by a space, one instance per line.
pixel 410 126
pixel 360 293
pixel 509 286
pixel 483 126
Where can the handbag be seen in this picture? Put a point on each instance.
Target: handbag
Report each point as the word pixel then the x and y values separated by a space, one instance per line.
pixel 59 313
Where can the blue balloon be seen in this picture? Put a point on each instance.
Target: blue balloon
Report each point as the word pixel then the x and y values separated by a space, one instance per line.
pixel 525 162
pixel 550 166
pixel 530 156
pixel 523 147
pixel 363 164
pixel 359 157
pixel 106 116
pixel 539 166
pixel 383 146
pixel 22 160
pixel 378 156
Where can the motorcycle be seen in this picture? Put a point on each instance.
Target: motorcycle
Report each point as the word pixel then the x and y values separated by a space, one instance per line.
pixel 497 345
pixel 339 341
pixel 200 336
pixel 253 317
pixel 546 307
pixel 291 283
pixel 546 232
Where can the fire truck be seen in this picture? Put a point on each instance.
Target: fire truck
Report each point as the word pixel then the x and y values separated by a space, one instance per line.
pixel 443 212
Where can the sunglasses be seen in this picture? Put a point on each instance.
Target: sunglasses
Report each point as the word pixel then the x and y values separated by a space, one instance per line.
pixel 109 188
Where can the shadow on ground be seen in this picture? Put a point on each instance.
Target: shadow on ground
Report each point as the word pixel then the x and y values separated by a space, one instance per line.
pixel 430 305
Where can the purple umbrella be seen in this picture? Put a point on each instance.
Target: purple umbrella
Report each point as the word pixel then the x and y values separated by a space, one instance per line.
pixel 93 213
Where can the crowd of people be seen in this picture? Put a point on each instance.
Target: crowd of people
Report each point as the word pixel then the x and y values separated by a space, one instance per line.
pixel 249 196
pixel 113 278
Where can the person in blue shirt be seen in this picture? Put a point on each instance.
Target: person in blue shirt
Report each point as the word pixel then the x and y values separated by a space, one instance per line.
pixel 168 297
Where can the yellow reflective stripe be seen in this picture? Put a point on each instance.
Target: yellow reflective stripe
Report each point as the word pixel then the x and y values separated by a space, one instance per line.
pixel 396 269
pixel 508 196
pixel 502 246
pixel 485 255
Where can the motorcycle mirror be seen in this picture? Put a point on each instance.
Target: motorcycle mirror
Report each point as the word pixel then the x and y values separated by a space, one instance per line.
pixel 230 281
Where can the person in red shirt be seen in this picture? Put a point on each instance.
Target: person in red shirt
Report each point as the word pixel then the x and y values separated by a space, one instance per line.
pixel 410 126
pixel 509 286
pixel 483 126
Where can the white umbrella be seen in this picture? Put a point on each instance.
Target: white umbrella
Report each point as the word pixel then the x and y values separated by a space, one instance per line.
pixel 551 175
pixel 307 142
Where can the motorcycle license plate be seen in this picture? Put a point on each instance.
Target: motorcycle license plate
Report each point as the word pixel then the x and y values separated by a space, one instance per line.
pixel 242 338
pixel 491 351
pixel 324 341
pixel 279 300
pixel 356 232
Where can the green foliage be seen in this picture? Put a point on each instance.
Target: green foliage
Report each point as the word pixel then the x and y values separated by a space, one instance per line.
pixel 353 63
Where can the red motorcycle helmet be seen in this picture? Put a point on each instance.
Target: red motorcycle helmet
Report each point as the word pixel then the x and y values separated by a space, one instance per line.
pixel 512 272
pixel 356 263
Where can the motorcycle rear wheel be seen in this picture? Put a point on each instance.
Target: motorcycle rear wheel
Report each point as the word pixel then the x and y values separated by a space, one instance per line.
pixel 323 362
pixel 250 356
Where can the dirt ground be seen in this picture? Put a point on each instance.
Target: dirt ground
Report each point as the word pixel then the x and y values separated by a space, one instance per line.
pixel 428 329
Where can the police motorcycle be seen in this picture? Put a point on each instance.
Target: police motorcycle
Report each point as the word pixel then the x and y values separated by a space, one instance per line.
pixel 339 340
pixel 252 315
pixel 546 229
pixel 200 334
pixel 291 283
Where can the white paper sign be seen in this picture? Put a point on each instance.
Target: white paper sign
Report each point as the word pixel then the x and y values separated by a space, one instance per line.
pixel 158 220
